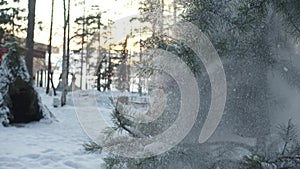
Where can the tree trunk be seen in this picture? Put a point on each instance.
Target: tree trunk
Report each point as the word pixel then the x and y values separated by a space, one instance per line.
pixel 30 35
pixel 50 50
pixel 82 44
pixel 64 63
pixel 68 44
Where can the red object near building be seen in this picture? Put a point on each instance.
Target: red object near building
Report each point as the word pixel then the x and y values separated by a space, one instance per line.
pixel 2 52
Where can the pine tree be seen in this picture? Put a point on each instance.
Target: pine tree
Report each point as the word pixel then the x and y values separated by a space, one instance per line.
pixel 240 32
pixel 10 20
pixel 19 102
pixel 282 152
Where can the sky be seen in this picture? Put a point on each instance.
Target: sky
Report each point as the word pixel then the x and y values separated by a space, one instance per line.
pixel 115 10
pixel 120 11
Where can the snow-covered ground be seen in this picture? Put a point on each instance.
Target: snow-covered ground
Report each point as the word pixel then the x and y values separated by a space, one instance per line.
pixel 47 145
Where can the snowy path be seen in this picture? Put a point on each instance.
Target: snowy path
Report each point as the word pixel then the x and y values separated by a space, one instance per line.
pixel 44 145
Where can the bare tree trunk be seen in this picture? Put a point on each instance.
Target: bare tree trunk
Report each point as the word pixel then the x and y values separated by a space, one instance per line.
pixel 50 50
pixel 161 22
pixel 65 60
pixel 86 60
pixel 82 45
pixel 30 35
pixel 175 11
pixel 68 44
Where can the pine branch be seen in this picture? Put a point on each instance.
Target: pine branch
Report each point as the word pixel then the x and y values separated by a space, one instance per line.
pixel 288 134
pixel 123 123
pixel 286 8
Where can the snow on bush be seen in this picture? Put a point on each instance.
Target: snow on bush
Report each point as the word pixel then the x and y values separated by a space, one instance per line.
pixel 14 73
pixel 4 111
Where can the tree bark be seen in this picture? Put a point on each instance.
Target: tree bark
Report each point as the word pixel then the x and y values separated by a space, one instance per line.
pixel 65 60
pixel 82 45
pixel 50 50
pixel 30 35
pixel 68 43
